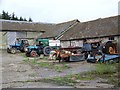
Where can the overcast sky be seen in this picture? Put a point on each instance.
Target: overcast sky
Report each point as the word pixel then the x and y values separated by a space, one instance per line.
pixel 56 11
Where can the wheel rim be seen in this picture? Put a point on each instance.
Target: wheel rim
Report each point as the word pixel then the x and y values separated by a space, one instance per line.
pixel 47 50
pixel 33 54
pixel 13 51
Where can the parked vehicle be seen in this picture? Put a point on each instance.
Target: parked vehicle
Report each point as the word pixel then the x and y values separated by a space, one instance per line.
pixel 43 46
pixel 20 44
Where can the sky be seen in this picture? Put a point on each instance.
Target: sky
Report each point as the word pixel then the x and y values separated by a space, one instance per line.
pixel 57 11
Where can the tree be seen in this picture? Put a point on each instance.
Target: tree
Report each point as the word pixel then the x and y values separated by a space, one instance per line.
pixel 24 19
pixel 13 16
pixel 5 15
pixel 16 18
pixel 21 19
pixel 30 20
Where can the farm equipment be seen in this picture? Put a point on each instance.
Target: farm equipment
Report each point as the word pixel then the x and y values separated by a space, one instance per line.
pixel 107 52
pixel 20 44
pixel 91 51
pixel 43 46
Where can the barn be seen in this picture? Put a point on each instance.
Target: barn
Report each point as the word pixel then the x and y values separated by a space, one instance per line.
pixel 71 33
pixel 11 30
pixel 102 29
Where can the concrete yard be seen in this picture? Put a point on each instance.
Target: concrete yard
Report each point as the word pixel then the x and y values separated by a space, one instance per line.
pixel 18 74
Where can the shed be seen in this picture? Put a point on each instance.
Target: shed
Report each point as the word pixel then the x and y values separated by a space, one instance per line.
pixel 99 29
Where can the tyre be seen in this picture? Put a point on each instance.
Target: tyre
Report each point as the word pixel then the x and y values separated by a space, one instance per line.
pixel 33 53
pixel 46 50
pixel 27 54
pixel 110 48
pixel 22 49
pixel 13 50
pixel 8 50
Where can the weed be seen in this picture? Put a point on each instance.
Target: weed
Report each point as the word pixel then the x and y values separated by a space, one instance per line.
pixel 57 67
pixel 33 61
pixel 105 69
pixel 70 80
pixel 43 64
pixel 26 59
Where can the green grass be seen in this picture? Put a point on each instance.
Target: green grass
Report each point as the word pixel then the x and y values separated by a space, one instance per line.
pixel 44 64
pixel 59 67
pixel 109 72
pixel 105 71
pixel 69 80
pixel 26 59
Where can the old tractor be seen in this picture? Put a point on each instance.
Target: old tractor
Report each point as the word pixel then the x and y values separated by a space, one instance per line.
pixel 20 44
pixel 42 46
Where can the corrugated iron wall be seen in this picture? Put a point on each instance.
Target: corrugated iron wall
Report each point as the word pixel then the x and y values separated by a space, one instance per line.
pixel 21 34
pixel 11 38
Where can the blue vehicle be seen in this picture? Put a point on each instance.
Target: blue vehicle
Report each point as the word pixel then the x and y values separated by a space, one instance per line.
pixel 20 45
pixel 41 47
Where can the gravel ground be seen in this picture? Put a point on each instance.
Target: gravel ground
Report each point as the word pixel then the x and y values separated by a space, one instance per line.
pixel 18 74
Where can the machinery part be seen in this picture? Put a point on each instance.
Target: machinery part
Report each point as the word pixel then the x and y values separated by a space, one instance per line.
pixel 23 49
pixel 46 50
pixel 112 61
pixel 13 50
pixel 27 54
pixel 33 53
pixel 110 48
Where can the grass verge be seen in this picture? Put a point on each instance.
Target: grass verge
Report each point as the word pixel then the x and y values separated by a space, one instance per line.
pixel 59 67
pixel 108 72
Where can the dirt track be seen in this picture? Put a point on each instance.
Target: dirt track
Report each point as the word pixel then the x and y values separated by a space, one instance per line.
pixel 18 74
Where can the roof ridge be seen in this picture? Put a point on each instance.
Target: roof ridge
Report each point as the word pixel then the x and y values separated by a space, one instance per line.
pixel 14 21
pixel 75 20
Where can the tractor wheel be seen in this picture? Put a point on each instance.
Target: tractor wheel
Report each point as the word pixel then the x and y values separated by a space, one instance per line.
pixel 23 49
pixel 8 50
pixel 46 50
pixel 13 50
pixel 33 53
pixel 110 48
pixel 27 54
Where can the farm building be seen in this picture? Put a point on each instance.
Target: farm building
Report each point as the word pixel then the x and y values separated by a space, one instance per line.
pixel 71 33
pixel 11 30
pixel 97 30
